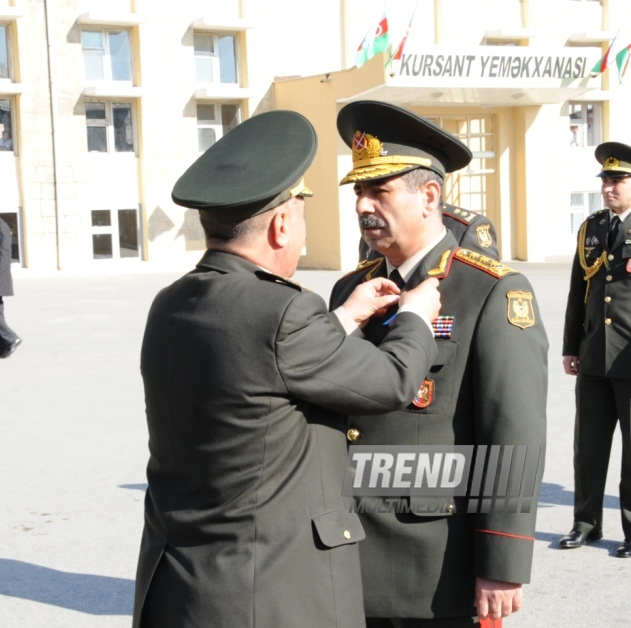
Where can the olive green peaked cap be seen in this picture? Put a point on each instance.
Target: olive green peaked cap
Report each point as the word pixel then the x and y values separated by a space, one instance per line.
pixel 615 159
pixel 254 167
pixel 387 140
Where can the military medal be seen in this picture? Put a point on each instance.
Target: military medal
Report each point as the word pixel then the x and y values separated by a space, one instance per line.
pixel 443 326
pixel 425 394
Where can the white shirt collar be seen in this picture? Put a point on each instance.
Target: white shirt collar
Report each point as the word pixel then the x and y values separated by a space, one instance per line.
pixel 409 266
pixel 621 215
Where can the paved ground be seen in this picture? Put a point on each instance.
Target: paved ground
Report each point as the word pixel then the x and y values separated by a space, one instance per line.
pixel 73 455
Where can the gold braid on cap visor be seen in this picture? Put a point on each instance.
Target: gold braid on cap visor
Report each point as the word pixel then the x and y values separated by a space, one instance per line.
pixel 300 189
pixel 370 159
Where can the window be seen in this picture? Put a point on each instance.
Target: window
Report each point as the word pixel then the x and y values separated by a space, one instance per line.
pixel 214 121
pixel 4 53
pixel 582 204
pixel 472 187
pixel 106 55
pixel 215 58
pixel 585 124
pixel 6 127
pixel 114 233
pixel 110 127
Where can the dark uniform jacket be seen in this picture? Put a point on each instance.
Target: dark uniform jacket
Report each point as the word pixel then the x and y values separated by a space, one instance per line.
pixel 598 314
pixel 246 382
pixel 490 385
pixel 6 283
pixel 472 231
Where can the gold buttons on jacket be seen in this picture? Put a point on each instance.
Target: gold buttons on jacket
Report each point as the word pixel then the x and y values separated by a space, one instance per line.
pixel 608 277
pixel 346 534
pixel 353 434
pixel 607 321
pixel 607 299
pixel 610 257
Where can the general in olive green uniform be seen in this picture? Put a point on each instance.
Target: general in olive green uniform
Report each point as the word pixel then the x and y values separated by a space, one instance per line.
pixel 487 387
pixel 246 382
pixel 598 333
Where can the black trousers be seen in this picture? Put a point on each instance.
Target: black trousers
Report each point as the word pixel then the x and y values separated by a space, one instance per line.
pixel 600 403
pixel 7 335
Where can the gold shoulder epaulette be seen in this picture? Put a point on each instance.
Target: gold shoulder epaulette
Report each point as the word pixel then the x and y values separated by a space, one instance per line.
pixel 462 214
pixel 369 265
pixel 487 264
pixel 598 213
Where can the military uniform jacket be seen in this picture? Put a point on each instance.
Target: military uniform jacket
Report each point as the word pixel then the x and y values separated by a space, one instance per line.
pixel 490 386
pixel 246 380
pixel 6 282
pixel 598 314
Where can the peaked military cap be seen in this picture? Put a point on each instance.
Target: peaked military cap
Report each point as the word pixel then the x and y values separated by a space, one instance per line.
pixel 253 168
pixel 388 140
pixel 615 159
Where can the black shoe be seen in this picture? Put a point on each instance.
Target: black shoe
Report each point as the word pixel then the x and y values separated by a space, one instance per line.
pixel 11 348
pixel 624 551
pixel 577 539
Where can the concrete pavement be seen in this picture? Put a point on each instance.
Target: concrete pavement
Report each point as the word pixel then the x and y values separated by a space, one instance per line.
pixel 73 454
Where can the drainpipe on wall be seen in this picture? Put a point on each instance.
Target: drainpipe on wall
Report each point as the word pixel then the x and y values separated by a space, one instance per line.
pixel 53 124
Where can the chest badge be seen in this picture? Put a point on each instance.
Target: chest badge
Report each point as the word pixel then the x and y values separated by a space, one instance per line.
pixel 484 237
pixel 520 309
pixel 425 394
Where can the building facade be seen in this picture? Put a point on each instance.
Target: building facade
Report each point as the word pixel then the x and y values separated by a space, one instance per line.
pixel 103 104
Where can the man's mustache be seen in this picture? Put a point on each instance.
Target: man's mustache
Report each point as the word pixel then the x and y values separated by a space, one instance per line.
pixel 371 222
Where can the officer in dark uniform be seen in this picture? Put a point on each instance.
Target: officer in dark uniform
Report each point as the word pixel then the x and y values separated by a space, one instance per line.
pixel 246 383
pixel 487 387
pixel 597 349
pixel 9 340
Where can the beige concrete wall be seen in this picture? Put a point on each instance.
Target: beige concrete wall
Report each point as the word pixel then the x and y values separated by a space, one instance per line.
pixel 332 233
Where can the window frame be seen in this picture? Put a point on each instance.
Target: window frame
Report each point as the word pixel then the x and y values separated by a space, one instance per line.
pixel 7 32
pixel 106 57
pixel 11 125
pixel 217 125
pixel 110 128
pixel 578 113
pixel 215 56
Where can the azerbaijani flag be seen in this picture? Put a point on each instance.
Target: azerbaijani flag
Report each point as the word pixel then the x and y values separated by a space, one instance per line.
pixel 605 62
pixel 622 61
pixel 375 41
pixel 398 53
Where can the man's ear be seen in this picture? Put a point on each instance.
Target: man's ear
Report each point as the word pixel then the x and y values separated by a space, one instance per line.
pixel 279 229
pixel 432 193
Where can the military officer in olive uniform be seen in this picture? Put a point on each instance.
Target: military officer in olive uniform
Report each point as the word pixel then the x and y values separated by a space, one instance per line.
pixel 486 387
pixel 597 349
pixel 246 381
pixel 471 230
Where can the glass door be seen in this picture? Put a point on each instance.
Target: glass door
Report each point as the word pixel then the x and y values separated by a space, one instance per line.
pixel 115 233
